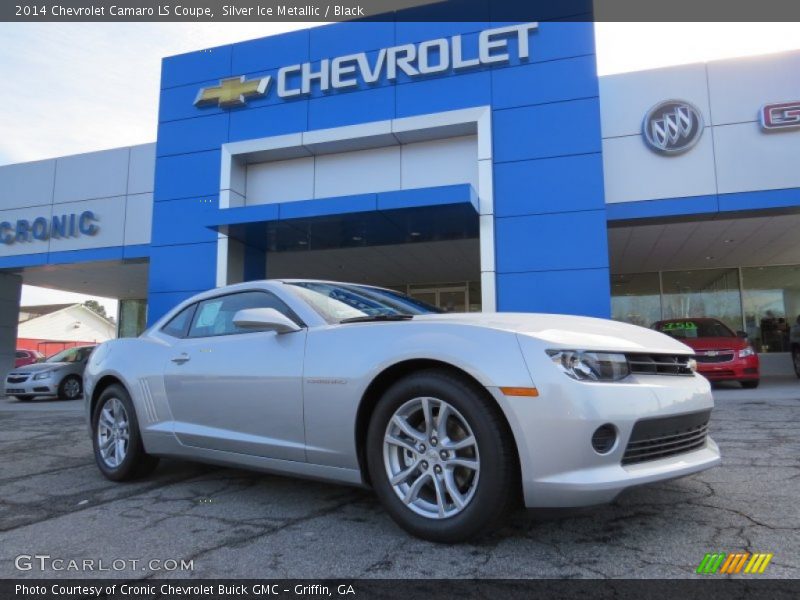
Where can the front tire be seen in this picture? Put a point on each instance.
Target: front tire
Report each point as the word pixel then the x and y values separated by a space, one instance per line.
pixel 70 388
pixel 441 457
pixel 118 448
pixel 24 398
pixel 751 384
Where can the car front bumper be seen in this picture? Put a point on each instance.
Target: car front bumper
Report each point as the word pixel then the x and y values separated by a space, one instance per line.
pixel 30 387
pixel 553 431
pixel 738 369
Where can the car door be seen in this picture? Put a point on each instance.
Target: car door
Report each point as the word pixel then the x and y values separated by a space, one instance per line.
pixel 238 390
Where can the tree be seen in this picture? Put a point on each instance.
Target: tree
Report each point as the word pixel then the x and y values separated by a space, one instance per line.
pixel 95 306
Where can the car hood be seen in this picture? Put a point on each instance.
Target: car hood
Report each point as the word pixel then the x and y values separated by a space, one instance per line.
pixel 38 367
pixel 716 343
pixel 570 331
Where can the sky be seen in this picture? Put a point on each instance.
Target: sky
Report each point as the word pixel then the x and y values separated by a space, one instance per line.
pixel 79 87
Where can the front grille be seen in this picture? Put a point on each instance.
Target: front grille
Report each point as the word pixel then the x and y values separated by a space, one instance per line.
pixel 714 356
pixel 659 364
pixel 20 379
pixel 652 439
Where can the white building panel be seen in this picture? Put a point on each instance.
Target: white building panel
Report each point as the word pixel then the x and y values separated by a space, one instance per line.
pixel 739 87
pixel 362 172
pixel 33 246
pixel 27 184
pixel 440 162
pixel 750 159
pixel 110 214
pixel 280 181
pixel 634 172
pixel 93 175
pixel 138 219
pixel 141 169
pixel 625 98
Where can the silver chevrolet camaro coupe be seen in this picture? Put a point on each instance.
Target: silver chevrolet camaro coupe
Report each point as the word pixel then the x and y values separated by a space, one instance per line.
pixel 452 419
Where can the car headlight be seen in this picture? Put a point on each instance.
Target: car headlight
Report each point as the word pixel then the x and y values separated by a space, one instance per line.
pixel 591 366
pixel 43 375
pixel 746 352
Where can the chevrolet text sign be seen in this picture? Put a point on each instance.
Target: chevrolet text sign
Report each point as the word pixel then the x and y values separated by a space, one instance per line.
pixel 342 72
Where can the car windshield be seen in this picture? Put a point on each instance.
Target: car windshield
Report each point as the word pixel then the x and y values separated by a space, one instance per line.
pixel 338 302
pixel 688 329
pixel 70 355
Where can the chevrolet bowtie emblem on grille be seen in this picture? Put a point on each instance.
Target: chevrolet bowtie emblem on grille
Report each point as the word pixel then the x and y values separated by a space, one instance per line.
pixel 232 92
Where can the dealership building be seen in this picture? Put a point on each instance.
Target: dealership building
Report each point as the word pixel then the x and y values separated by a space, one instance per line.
pixel 478 166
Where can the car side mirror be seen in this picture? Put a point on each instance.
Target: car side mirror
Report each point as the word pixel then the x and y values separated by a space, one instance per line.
pixel 264 319
pixel 742 334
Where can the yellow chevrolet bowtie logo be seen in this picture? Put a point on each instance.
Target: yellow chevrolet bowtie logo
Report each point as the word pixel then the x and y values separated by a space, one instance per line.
pixel 233 91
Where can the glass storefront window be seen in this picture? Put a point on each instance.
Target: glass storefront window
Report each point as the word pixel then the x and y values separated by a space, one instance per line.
pixel 771 305
pixel 636 298
pixel 703 293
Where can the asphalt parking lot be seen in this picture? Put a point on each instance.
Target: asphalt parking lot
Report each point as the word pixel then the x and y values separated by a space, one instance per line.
pixel 232 523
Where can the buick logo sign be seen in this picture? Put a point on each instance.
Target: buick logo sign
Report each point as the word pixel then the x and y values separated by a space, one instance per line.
pixel 672 127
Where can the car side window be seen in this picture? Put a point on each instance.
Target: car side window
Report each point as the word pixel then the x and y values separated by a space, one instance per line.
pixel 178 325
pixel 215 315
pixel 20 355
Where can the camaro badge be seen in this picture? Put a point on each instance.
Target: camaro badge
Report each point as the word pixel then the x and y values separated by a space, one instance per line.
pixel 232 92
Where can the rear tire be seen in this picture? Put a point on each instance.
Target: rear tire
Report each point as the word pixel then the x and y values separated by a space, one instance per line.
pixel 118 448
pixel 751 385
pixel 451 481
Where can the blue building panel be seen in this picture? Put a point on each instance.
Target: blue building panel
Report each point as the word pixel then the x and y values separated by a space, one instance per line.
pixel 569 240
pixel 192 135
pixel 270 52
pixel 341 39
pixel 549 185
pixel 187 175
pixel 440 94
pixel 543 82
pixel 193 67
pixel 178 102
pixel 183 267
pixel 578 292
pixel 557 129
pixel 160 303
pixel 275 119
pixel 350 108
pixel 184 220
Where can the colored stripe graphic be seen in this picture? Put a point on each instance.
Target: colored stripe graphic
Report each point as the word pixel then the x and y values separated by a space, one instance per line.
pixel 734 563
pixel 711 563
pixel 758 563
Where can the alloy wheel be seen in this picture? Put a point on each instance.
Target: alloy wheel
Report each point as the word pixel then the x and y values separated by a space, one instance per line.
pixel 72 388
pixel 431 458
pixel 113 433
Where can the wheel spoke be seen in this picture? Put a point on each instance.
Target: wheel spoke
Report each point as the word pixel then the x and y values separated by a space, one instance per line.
pixel 467 463
pixel 403 475
pixel 106 419
pixel 441 420
pixel 119 451
pixel 406 428
pixel 426 411
pixel 413 491
pixel 440 495
pixel 449 444
pixel 396 441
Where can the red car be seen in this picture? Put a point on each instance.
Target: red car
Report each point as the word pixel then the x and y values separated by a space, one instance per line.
pixel 26 357
pixel 721 353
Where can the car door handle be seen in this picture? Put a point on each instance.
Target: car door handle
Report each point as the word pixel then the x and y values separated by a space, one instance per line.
pixel 179 360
